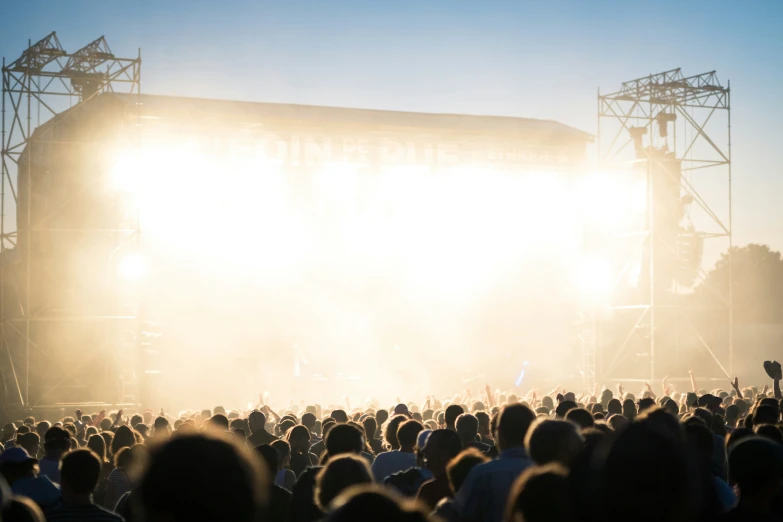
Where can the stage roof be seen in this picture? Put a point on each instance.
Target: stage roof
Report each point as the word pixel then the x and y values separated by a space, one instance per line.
pixel 251 114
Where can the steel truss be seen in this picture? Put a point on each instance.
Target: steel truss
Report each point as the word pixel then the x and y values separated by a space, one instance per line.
pixel 48 84
pixel 678 117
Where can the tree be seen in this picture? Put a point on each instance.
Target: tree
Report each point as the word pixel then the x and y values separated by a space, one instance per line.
pixel 757 273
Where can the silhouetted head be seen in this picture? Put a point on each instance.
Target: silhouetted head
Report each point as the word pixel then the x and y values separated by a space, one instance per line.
pixel 467 427
pixel 440 448
pixel 339 474
pixel 459 467
pixel 452 412
pixel 256 421
pixel 376 503
pixel 79 472
pixel 340 416
pixel 614 406
pixel 513 424
pixel 407 434
pixel 342 439
pixel 550 440
pixel 540 494
pixel 580 417
pixel 564 407
pixel 224 481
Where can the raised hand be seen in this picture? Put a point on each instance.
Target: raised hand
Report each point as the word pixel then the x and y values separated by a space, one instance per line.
pixel 78 415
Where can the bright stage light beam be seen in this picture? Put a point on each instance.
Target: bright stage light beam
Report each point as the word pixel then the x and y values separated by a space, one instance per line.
pixel 596 280
pixel 132 267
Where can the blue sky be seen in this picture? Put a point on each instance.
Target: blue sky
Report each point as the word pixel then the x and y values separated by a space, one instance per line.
pixel 541 59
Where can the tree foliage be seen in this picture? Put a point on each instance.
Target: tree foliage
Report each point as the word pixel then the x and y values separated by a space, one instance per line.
pixel 757 274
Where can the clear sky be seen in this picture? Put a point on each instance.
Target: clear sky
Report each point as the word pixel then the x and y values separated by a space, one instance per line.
pixel 541 59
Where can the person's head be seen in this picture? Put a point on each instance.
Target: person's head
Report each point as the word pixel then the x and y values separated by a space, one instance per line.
pixel 270 458
pixel 376 503
pixel 97 445
pixel 614 406
pixel 550 440
pixel 225 481
pixel 218 422
pixel 700 441
pixel 390 434
pixel 342 439
pixel 629 409
pixel 370 427
pixel 136 419
pixel 765 414
pixel 9 431
pixel 646 403
pixel 299 439
pixel 161 426
pixel 513 424
pixel 283 450
pixel 381 416
pixel 340 416
pixel 633 477
pixel 452 412
pixel 79 472
pixel 123 438
pixel 483 420
pixel 732 414
pixel 407 434
pixel 41 428
pixel 617 421
pixel 564 407
pixel 56 442
pixel 337 475
pixel 754 466
pixel 122 459
pixel 467 427
pixel 769 431
pixel 606 396
pixel 540 494
pixel 30 441
pixel 440 448
pixel 458 468
pixel 22 509
pixel 308 421
pixel 15 464
pixel 580 417
pixel 256 421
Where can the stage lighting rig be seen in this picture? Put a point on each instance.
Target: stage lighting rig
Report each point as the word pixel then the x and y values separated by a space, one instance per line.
pixel 663 120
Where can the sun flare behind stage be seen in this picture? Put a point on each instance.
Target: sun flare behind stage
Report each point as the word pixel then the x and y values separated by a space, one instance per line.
pixel 355 236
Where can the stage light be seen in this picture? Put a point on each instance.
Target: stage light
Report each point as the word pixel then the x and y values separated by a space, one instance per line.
pixel 125 173
pixel 596 280
pixel 663 120
pixel 636 134
pixel 132 267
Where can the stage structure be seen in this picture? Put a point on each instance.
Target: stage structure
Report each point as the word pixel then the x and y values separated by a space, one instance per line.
pixel 240 201
pixel 673 133
pixel 66 317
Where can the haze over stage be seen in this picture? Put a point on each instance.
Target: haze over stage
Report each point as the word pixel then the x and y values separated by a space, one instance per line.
pixel 294 233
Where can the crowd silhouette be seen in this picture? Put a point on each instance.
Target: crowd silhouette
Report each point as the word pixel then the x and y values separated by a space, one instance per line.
pixel 694 455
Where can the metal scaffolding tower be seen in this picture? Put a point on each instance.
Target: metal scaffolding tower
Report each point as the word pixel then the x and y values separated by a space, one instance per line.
pixel 675 131
pixel 47 86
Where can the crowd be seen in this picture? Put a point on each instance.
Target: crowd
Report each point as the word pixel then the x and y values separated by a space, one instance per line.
pixel 700 455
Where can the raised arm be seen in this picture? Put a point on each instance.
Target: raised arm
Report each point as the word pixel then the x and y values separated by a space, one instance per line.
pixel 693 381
pixel 735 385
pixel 489 396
